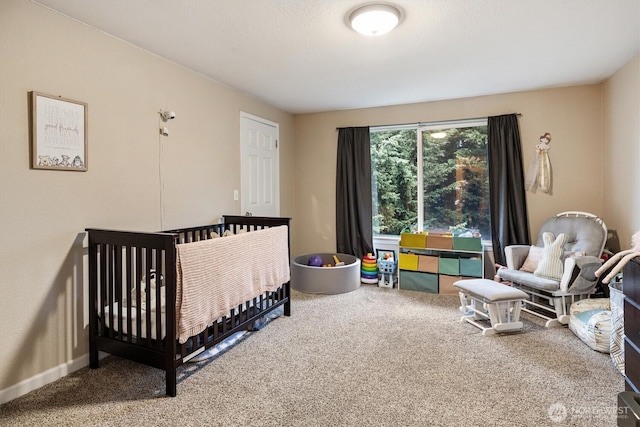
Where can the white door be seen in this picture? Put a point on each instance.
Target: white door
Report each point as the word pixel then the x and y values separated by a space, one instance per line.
pixel 260 183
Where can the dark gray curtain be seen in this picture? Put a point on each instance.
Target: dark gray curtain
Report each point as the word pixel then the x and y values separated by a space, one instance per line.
pixel 509 219
pixel 354 233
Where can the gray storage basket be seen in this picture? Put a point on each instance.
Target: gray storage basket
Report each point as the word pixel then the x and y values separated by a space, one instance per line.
pixel 616 345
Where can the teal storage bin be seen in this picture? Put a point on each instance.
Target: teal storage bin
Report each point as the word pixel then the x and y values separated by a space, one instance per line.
pixel 449 264
pixel 415 281
pixel 471 267
pixel 467 244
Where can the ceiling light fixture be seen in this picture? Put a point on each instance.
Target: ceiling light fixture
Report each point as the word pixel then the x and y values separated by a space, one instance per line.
pixel 438 135
pixel 374 19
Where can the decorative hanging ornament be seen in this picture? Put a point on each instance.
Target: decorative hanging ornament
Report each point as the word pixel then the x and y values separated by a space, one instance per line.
pixel 539 173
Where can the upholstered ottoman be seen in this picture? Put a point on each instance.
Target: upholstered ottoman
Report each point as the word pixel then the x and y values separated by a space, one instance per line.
pixel 484 299
pixel 590 320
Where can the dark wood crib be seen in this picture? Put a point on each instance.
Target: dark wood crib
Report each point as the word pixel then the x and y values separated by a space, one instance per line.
pixel 123 269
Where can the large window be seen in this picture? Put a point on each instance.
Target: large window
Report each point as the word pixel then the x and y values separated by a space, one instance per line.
pixel 430 177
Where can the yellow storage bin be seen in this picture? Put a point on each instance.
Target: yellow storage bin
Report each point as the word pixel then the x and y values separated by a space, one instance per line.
pixel 408 262
pixel 411 240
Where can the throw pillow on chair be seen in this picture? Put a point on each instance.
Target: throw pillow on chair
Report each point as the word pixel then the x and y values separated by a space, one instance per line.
pixel 534 257
pixel 551 266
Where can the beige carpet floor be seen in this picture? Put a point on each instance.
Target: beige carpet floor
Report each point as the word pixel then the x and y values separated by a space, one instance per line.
pixel 371 357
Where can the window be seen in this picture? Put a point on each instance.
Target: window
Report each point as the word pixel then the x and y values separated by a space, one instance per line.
pixel 430 177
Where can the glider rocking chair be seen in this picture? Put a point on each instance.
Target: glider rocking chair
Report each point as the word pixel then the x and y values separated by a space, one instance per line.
pixel 559 269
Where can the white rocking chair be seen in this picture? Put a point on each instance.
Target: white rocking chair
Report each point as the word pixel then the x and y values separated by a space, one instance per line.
pixel 550 299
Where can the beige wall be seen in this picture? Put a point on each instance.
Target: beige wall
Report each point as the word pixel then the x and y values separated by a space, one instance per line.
pixel 621 154
pixel 572 115
pixel 136 179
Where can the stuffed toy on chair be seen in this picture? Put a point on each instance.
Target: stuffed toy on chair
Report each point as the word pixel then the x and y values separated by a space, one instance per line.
pixel 620 260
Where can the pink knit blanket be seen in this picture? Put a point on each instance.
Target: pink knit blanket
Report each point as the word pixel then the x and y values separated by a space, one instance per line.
pixel 217 275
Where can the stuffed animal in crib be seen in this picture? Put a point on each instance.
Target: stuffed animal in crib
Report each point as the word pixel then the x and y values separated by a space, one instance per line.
pixel 620 260
pixel 153 282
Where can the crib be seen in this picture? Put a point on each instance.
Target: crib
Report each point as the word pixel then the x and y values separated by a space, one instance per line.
pixel 133 284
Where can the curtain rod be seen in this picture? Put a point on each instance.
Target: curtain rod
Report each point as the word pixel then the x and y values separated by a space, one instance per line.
pixel 429 123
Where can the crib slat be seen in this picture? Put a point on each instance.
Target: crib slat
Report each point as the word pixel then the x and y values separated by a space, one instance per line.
pixel 170 342
pixel 159 268
pixel 224 324
pixel 147 292
pixel 109 291
pixel 116 291
pixel 94 360
pixel 128 283
pixel 138 281
pixel 102 290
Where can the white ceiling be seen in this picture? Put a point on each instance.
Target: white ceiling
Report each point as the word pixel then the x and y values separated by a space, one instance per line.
pixel 300 56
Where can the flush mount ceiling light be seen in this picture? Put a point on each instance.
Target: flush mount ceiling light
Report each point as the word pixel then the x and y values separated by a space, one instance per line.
pixel 374 19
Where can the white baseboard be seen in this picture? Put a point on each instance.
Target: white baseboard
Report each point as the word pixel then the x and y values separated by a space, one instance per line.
pixel 44 378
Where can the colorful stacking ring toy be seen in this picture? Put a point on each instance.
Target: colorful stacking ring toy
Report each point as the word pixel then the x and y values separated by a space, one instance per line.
pixel 369 269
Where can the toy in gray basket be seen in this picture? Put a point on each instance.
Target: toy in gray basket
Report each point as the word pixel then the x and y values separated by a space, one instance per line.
pixel 386 268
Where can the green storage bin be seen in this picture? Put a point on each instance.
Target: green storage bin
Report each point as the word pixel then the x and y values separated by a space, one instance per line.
pixel 448 264
pixel 415 281
pixel 471 267
pixel 467 244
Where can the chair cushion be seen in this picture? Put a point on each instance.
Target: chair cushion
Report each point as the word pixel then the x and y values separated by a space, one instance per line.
pixel 488 289
pixel 585 234
pixel 533 259
pixel 551 267
pixel 528 279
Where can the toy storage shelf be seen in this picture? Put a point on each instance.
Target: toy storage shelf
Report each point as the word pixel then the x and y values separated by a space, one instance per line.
pixel 434 270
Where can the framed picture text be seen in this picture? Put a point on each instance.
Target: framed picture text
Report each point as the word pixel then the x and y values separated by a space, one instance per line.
pixel 58 133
